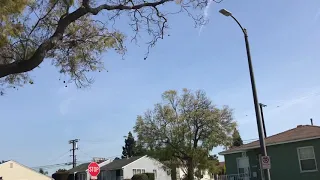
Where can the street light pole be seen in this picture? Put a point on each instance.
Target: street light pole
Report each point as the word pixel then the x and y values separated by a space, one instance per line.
pixel 254 92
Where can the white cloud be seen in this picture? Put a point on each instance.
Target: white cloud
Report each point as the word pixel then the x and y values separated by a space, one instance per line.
pixel 205 14
pixel 316 17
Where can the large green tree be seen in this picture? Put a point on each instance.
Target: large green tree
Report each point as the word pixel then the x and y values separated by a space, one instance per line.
pixel 236 138
pixel 188 126
pixel 73 34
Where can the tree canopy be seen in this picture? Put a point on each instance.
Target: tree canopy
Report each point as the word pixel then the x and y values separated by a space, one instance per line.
pixel 73 34
pixel 186 127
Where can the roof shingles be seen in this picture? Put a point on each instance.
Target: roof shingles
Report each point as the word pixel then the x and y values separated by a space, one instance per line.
pixel 81 168
pixel 118 164
pixel 301 132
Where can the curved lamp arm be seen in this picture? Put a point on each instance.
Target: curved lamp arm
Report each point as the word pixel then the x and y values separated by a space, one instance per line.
pixel 243 29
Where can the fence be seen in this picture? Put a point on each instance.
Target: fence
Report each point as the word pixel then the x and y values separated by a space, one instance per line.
pixel 243 176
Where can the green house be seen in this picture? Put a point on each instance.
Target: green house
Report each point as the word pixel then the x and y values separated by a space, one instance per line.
pixel 294 155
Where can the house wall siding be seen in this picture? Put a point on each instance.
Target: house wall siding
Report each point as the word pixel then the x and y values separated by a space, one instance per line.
pixel 149 165
pixel 284 161
pixel 14 171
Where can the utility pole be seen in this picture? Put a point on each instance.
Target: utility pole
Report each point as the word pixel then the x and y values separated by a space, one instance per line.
pixel 74 148
pixel 262 118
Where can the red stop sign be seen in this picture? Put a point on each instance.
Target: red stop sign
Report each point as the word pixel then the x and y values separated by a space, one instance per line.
pixel 93 169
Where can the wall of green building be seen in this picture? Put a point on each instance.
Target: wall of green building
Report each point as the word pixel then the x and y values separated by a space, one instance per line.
pixel 284 161
pixel 231 163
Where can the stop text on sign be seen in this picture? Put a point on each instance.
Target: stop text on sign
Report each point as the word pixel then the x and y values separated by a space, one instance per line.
pixel 94 169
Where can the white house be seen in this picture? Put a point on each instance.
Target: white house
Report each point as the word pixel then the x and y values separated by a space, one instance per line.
pixel 12 170
pixel 122 169
pixel 81 172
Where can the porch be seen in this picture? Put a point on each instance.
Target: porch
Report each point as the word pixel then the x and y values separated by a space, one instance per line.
pixel 243 176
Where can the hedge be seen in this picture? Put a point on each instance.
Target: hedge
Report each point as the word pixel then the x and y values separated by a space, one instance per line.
pixel 150 176
pixel 140 177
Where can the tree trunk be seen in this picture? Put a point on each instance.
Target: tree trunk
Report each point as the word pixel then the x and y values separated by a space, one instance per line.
pixel 173 172
pixel 190 169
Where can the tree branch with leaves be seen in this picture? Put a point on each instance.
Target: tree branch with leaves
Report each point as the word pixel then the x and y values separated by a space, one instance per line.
pixel 73 34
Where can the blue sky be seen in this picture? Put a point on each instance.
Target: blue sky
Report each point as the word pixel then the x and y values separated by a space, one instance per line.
pixel 37 121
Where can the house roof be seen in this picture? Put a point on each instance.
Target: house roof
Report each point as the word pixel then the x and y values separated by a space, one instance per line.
pixel 11 161
pixel 118 164
pixel 80 168
pixel 300 133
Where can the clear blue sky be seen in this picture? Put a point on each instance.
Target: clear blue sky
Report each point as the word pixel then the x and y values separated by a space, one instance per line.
pixel 37 121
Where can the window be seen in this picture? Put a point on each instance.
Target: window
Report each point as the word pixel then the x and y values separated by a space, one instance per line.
pixel 82 176
pixel 155 173
pixel 307 159
pixel 138 171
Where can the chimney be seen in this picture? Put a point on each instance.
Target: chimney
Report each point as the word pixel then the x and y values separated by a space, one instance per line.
pixel 311 121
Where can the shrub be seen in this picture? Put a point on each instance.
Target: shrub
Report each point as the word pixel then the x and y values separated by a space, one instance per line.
pixel 139 177
pixel 150 176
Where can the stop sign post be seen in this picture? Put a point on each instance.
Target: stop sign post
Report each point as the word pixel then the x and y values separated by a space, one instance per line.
pixel 94 170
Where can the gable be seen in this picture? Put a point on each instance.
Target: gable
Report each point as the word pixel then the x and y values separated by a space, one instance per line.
pixel 145 162
pixel 14 170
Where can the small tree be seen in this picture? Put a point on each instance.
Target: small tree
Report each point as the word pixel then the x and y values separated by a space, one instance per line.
pixel 236 138
pixel 1 162
pixel 43 172
pixel 128 150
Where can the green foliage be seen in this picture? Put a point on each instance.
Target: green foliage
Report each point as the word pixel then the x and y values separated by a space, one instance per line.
pixel 150 176
pixel 131 148
pixel 43 172
pixel 128 150
pixel 61 170
pixel 10 10
pixel 139 177
pixel 1 162
pixel 236 139
pixel 185 127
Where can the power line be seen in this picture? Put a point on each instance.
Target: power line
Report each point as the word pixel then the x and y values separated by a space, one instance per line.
pixel 62 155
pixel 283 103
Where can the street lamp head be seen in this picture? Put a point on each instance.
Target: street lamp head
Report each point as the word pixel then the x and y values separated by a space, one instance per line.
pixel 225 12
